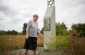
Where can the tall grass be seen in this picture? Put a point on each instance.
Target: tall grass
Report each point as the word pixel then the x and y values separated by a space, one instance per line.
pixel 13 42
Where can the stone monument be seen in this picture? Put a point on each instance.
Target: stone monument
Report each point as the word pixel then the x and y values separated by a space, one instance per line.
pixel 49 23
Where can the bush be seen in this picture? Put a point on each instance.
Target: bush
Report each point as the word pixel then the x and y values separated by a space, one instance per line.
pixel 77 45
pixel 59 42
pixel 61 29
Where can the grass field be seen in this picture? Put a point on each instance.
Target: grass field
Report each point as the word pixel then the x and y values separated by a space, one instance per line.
pixel 74 46
pixel 12 42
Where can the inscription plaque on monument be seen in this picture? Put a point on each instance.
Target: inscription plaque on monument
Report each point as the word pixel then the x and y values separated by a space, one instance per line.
pixel 47 24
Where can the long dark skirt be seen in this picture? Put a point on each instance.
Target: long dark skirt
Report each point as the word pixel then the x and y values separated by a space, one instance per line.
pixel 30 43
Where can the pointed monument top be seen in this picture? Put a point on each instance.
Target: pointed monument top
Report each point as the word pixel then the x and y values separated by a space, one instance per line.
pixel 51 3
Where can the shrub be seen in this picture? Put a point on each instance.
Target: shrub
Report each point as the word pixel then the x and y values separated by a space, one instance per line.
pixel 59 42
pixel 77 44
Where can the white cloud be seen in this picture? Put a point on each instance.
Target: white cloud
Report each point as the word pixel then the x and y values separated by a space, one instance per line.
pixel 4 18
pixel 70 11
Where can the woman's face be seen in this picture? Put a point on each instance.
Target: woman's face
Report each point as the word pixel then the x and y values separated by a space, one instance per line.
pixel 35 18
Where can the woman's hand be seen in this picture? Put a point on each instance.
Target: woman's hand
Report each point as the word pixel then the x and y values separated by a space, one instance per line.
pixel 40 35
pixel 27 36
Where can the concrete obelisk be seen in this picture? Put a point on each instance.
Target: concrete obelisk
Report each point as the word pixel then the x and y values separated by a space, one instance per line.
pixel 49 23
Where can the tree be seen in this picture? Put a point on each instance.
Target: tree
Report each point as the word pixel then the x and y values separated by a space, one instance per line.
pixel 11 32
pixel 2 32
pixel 14 32
pixel 80 28
pixel 24 28
pixel 61 29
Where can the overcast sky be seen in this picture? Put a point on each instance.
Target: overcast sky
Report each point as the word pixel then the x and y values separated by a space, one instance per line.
pixel 13 13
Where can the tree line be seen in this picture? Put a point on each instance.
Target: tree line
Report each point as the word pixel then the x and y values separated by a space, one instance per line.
pixel 61 29
pixel 12 32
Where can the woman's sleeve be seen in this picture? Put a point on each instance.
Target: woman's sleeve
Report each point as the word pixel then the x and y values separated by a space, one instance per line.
pixel 28 26
pixel 38 29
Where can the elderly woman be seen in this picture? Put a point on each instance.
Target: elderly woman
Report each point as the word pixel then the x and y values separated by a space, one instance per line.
pixel 31 35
